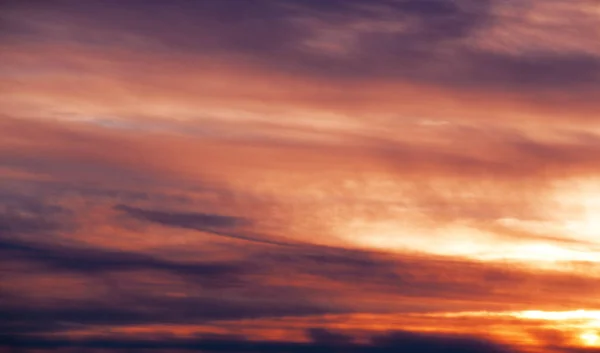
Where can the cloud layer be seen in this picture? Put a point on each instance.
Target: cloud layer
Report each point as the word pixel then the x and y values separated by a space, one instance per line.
pixel 299 175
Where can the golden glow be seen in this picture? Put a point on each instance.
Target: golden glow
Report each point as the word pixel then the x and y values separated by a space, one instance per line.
pixel 590 338
pixel 581 324
pixel 464 241
pixel 581 327
pixel 560 315
pixel 590 316
pixel 582 201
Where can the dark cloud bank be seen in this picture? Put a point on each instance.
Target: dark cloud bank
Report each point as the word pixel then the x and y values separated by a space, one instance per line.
pixel 433 49
pixel 321 341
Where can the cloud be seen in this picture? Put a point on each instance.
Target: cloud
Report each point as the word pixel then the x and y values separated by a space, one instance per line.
pixel 198 221
pixel 576 350
pixel 451 173
pixel 410 342
pixel 130 287
pixel 98 261
pixel 392 342
pixel 14 224
pixel 204 163
pixel 532 73
pixel 327 337
pixel 436 42
pixel 218 225
pixel 311 272
pixel 23 320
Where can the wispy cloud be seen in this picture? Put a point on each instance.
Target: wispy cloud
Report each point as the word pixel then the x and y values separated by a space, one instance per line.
pixel 307 175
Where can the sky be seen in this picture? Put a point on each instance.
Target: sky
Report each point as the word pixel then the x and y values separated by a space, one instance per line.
pixel 300 176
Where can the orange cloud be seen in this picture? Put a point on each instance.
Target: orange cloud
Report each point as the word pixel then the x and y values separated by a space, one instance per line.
pixel 382 176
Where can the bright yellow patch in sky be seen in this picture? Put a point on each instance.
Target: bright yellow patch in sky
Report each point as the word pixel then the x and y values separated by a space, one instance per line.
pixel 581 327
pixel 590 338
pixel 569 233
pixel 560 315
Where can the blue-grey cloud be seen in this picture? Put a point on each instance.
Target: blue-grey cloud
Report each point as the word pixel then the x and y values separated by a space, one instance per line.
pixel 433 44
pixel 189 220
pixel 406 342
pixel 214 224
pixel 91 260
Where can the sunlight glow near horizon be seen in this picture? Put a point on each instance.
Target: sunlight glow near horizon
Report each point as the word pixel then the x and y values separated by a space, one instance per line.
pixel 590 338
pixel 586 322
pixel 580 314
pixel 568 235
pixel 580 325
pixel 468 243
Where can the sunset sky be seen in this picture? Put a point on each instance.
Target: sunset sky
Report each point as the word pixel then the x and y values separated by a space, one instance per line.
pixel 300 176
